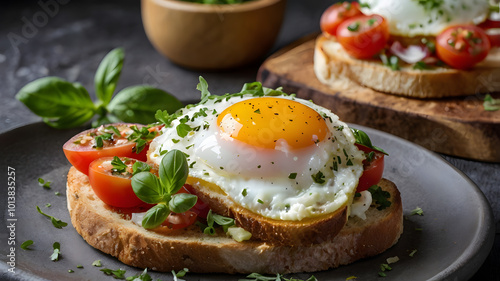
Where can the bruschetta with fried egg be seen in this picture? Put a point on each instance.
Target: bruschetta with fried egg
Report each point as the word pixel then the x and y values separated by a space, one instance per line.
pixel 420 49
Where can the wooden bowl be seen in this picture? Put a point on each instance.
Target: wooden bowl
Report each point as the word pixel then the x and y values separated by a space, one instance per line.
pixel 211 37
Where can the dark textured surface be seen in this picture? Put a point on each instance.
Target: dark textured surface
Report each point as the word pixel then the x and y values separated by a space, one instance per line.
pixel 70 40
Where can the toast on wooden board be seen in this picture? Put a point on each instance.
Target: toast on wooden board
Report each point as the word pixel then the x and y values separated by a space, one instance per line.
pixel 111 232
pixel 334 67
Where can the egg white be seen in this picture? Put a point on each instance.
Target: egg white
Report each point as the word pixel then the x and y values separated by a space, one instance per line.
pixel 411 18
pixel 258 178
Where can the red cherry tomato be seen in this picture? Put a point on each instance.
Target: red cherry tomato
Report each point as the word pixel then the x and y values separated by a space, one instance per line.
pixel 200 208
pixel 489 23
pixel 84 148
pixel 113 188
pixel 462 46
pixel 180 220
pixel 334 15
pixel 494 36
pixel 373 168
pixel 363 36
pixel 494 39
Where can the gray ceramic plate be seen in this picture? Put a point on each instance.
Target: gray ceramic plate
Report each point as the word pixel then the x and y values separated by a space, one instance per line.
pixel 452 239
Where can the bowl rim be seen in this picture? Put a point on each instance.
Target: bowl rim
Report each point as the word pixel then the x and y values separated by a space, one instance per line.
pixel 217 8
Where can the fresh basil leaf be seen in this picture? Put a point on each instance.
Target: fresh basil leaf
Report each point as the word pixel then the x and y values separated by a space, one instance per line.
pixel 60 103
pixel 107 75
pixel 147 187
pixel 173 171
pixel 363 139
pixel 179 203
pixel 138 104
pixel 139 167
pixel 203 88
pixel 155 216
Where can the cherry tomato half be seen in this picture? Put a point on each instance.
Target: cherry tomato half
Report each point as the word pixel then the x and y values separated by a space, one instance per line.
pixel 462 46
pixel 373 168
pixel 113 188
pixel 180 220
pixel 363 36
pixel 334 15
pixel 105 141
pixel 200 208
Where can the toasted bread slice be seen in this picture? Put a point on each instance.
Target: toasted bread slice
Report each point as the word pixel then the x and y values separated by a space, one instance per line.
pixel 111 232
pixel 304 232
pixel 334 67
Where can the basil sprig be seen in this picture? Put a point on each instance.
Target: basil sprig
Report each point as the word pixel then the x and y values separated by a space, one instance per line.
pixel 173 172
pixel 363 139
pixel 63 104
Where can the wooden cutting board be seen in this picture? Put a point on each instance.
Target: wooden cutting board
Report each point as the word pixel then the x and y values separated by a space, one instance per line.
pixel 454 126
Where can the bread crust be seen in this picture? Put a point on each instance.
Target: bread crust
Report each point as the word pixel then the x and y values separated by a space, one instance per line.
pixel 305 232
pixel 108 231
pixel 332 63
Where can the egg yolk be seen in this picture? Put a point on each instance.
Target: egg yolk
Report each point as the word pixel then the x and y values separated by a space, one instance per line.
pixel 270 122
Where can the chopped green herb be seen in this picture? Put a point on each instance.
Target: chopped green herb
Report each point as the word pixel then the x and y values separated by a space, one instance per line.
pixel 57 193
pixel 278 277
pixel 44 183
pixel 79 266
pixel 181 272
pixel 57 251
pixel 56 222
pixel 292 176
pixel 244 192
pixel 380 197
pixel 144 276
pixel 99 143
pixel 118 274
pixel 213 218
pixel 412 253
pixel 118 166
pixel 353 27
pixel 257 111
pixel 26 244
pixel 417 211
pixel 97 263
pixel 421 65
pixel 491 104
pixel 319 177
pixel 385 267
pixel 70 271
pixel 260 201
pixel 48 205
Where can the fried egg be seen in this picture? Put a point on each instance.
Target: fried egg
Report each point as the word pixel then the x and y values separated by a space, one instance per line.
pixel 282 157
pixel 427 18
